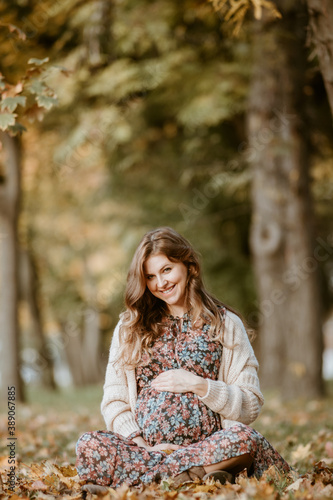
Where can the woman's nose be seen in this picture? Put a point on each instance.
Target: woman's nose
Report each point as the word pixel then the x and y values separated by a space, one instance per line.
pixel 161 281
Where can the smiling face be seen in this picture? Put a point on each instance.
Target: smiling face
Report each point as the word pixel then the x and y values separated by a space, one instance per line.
pixel 167 281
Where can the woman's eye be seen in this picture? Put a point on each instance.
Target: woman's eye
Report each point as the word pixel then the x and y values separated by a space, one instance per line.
pixel 167 269
pixel 149 277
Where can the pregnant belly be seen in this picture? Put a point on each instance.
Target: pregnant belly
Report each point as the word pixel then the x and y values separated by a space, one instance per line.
pixel 182 419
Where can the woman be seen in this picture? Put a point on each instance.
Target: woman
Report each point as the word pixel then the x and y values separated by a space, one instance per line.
pixel 181 384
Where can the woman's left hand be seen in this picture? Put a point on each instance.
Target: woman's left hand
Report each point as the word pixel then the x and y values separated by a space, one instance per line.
pixel 179 381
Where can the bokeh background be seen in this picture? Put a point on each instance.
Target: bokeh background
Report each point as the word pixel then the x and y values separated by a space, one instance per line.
pixel 120 116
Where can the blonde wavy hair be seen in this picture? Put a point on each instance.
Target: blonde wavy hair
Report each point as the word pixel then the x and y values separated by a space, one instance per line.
pixel 142 321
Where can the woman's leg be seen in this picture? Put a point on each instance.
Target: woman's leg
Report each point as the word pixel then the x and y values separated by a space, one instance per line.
pixel 233 465
pixel 223 471
pixel 230 449
pixel 108 459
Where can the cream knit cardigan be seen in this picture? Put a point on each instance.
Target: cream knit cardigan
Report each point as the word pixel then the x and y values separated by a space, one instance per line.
pixel 235 396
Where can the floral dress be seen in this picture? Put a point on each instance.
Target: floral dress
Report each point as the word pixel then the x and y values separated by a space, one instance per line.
pixel 107 458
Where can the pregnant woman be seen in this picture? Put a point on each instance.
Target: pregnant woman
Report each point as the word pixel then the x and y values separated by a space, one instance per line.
pixel 181 384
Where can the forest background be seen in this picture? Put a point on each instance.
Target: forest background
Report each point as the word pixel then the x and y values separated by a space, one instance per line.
pixel 214 118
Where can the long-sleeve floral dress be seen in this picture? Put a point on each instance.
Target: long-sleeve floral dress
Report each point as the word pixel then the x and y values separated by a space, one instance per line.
pixel 107 458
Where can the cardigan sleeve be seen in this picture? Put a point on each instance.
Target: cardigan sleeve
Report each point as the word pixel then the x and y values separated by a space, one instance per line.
pixel 236 396
pixel 115 406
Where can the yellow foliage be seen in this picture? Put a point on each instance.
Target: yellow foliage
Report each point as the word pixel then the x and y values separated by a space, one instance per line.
pixel 234 11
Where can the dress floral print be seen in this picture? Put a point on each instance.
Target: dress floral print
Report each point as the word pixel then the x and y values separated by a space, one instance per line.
pixel 107 458
pixel 180 419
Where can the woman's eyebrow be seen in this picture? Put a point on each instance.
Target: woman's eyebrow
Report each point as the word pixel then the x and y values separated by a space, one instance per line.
pixel 161 269
pixel 165 265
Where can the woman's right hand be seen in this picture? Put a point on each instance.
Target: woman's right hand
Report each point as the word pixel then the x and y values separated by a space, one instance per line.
pixel 158 447
pixel 166 447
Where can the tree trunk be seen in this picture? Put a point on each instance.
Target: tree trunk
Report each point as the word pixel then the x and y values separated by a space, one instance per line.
pixel 9 294
pixel 29 291
pixel 91 346
pixel 290 336
pixel 81 342
pixel 72 343
pixel 97 35
pixel 321 25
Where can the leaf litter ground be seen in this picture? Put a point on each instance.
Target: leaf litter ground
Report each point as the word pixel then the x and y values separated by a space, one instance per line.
pixel 47 430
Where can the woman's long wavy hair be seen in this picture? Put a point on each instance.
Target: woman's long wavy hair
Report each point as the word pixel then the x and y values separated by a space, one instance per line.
pixel 141 322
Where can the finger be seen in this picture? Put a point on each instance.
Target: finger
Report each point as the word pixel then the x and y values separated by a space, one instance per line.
pixel 167 374
pixel 161 377
pixel 162 383
pixel 164 389
pixel 156 381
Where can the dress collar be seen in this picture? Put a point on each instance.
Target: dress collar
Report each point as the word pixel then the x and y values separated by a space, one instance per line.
pixel 185 317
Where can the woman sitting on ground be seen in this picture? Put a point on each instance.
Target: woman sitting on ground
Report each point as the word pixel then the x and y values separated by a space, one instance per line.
pixel 181 384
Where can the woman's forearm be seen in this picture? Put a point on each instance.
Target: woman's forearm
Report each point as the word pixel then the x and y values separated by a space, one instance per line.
pixel 140 441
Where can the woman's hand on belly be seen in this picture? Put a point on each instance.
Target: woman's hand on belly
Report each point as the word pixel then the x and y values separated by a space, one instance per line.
pixel 180 381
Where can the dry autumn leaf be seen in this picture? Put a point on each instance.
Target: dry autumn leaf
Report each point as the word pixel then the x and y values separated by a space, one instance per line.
pixel 329 449
pixel 57 477
pixel 38 485
pixel 301 452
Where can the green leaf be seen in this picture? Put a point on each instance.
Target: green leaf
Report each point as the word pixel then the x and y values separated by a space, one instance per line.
pixel 165 486
pixel 36 87
pixel 38 62
pixel 11 103
pixel 7 120
pixel 63 70
pixel 46 102
pixel 18 127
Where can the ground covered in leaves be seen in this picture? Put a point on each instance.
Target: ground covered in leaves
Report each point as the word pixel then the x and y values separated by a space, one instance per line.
pixel 48 427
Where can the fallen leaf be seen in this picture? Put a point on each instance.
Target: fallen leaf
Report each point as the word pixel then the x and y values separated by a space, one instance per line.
pixel 38 485
pixel 205 488
pixel 329 449
pixel 68 470
pixel 18 497
pixel 169 495
pixel 301 452
pixel 296 485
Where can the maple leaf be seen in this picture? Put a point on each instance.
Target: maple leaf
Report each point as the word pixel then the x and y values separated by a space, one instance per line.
pixel 301 452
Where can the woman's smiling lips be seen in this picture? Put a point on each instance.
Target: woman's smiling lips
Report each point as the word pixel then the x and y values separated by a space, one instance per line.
pixel 168 290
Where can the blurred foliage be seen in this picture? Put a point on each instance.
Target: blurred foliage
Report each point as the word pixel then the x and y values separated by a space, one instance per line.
pixel 149 131
pixel 234 11
pixel 26 99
